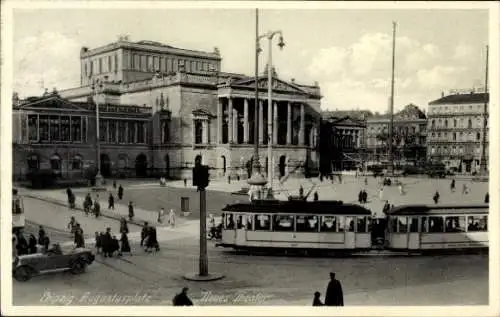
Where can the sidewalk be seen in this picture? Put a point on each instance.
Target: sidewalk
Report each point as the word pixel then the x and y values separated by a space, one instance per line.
pixel 121 210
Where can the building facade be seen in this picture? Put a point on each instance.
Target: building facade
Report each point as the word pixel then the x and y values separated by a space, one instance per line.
pixel 162 124
pixel 348 140
pixel 456 130
pixel 409 141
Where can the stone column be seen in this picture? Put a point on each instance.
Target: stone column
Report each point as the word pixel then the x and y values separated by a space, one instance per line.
pixel 275 123
pixel 245 121
pixel 235 126
pixel 193 131
pixel 261 122
pixel 136 128
pixel 289 124
pixel 205 131
pixel 230 120
pixel 220 120
pixel 302 125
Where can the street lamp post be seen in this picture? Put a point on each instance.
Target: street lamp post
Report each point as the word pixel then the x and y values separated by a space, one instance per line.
pixel 270 166
pixel 97 87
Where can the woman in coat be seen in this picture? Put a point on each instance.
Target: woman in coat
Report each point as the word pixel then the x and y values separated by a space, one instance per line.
pixel 125 245
pixel 130 211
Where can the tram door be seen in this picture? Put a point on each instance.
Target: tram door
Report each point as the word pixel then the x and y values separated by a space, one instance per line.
pixel 413 234
pixel 240 229
pixel 350 234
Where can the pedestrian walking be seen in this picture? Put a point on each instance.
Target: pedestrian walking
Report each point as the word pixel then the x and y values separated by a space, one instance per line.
pixel 436 197
pixel 381 193
pixel 365 196
pixel 98 242
pixel 301 191
pixel 144 233
pixel 334 295
pixel 366 181
pixel 360 197
pixel 465 189
pixel 72 225
pixel 87 204
pixel 316 197
pixel 97 207
pixel 171 218
pixel 123 225
pixel 182 298
pixel 107 243
pixel 111 202
pixel 79 239
pixel 32 244
pixel 41 235
pixel 452 185
pixel 401 189
pixel 130 211
pixel 161 215
pixel 120 192
pixel 317 299
pixel 487 198
pixel 125 245
pixel 152 245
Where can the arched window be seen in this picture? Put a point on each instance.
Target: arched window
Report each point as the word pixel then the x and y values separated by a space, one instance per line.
pixel 77 162
pixel 445 123
pixel 198 132
pixel 454 123
pixel 469 124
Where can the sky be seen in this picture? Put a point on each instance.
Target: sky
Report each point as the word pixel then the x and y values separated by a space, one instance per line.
pixel 347 51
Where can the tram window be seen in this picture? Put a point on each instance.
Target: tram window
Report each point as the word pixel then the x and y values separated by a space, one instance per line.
pixel 307 223
pixel 369 224
pixel 414 224
pixel 249 222
pixel 341 223
pixel 262 222
pixel 239 221
pixel 455 224
pixel 436 224
pixel 394 224
pixel 328 224
pixel 350 224
pixel 362 224
pixel 423 227
pixel 229 221
pixel 283 223
pixel 403 224
pixel 477 223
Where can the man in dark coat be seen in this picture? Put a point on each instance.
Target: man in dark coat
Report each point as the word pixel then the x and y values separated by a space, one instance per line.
pixel 334 295
pixel 41 235
pixel 120 192
pixel 79 239
pixel 144 232
pixel 107 243
pixel 130 211
pixel 182 298
pixel 111 202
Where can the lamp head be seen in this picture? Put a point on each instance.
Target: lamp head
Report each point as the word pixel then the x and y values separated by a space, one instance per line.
pixel 281 43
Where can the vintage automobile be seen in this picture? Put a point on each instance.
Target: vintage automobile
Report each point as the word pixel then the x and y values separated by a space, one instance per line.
pixel 24 267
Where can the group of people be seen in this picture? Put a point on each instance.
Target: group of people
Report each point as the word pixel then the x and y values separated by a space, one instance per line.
pixel 334 294
pixel 107 244
pixel 362 196
pixel 149 238
pixel 22 246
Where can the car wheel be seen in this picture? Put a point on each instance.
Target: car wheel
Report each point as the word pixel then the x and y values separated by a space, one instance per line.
pixel 23 273
pixel 78 267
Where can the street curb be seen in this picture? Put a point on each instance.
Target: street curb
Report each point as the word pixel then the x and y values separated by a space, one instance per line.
pixel 104 214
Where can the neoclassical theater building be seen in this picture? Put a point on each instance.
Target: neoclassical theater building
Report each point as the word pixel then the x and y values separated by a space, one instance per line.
pixel 160 108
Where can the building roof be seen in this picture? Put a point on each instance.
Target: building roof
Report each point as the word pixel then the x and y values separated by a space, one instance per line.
pixel 410 111
pixel 354 114
pixel 461 99
pixel 346 121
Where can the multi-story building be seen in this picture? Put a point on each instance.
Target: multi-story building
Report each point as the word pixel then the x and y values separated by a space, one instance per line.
pixel 455 130
pixel 348 137
pixel 409 141
pixel 164 118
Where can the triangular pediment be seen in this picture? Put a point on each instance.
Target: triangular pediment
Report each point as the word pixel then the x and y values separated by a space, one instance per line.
pixel 347 121
pixel 52 101
pixel 278 85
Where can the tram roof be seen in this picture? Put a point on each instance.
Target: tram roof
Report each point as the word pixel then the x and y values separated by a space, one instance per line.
pixel 322 207
pixel 413 210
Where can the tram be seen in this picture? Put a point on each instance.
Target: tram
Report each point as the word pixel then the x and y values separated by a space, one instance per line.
pixel 430 228
pixel 298 225
pixel 349 228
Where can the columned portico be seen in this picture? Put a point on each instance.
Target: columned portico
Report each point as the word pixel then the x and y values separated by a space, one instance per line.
pixel 245 122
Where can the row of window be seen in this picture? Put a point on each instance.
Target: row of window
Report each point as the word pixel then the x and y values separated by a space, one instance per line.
pixel 53 128
pixel 165 64
pixel 456 109
pixel 405 130
pixel 122 131
pixel 455 150
pixel 105 64
pixel 447 123
pixel 436 224
pixel 460 136
pixel 55 162
pixel 297 223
